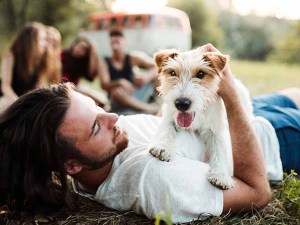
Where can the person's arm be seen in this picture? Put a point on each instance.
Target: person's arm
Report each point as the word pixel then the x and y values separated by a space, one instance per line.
pixel 145 62
pixel 7 76
pixel 251 189
pixel 106 82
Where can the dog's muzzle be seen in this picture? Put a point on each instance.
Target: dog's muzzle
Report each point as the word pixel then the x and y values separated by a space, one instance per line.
pixel 182 104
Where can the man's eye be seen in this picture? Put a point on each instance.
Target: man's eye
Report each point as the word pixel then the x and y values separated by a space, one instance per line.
pixel 173 74
pixel 200 74
pixel 97 128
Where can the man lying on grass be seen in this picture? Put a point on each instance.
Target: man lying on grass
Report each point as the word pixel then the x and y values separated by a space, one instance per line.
pixel 48 134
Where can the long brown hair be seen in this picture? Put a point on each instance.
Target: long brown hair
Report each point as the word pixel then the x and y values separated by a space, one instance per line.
pixel 91 56
pixel 54 73
pixel 32 151
pixel 27 57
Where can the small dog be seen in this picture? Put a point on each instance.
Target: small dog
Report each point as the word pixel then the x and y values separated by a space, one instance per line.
pixel 189 85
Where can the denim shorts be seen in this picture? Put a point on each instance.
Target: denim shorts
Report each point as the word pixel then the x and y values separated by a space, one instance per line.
pixel 284 115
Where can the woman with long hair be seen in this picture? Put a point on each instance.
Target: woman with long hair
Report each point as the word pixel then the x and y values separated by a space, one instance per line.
pixel 80 60
pixel 25 64
pixel 53 51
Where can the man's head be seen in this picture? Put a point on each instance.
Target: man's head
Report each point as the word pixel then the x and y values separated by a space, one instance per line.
pixel 94 134
pixel 41 135
pixel 118 42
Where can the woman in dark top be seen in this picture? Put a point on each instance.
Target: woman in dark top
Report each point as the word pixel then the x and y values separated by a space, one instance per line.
pixel 80 60
pixel 25 64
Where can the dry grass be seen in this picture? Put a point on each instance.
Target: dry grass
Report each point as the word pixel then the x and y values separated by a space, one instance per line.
pixel 278 212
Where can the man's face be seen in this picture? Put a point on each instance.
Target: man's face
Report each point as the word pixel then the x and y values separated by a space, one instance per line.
pixel 118 44
pixel 96 134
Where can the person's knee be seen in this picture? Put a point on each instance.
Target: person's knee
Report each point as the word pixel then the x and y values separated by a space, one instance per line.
pixel 293 93
pixel 119 94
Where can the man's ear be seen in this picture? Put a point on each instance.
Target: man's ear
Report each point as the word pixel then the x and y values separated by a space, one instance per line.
pixel 162 56
pixel 218 60
pixel 72 167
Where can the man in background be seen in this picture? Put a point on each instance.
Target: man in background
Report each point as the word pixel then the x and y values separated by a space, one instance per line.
pixel 129 90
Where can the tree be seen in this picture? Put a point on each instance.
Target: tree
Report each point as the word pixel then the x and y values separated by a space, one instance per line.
pixel 250 37
pixel 67 15
pixel 204 22
pixel 287 49
pixel 14 13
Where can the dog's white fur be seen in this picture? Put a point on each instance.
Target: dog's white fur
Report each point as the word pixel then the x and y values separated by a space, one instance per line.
pixel 178 75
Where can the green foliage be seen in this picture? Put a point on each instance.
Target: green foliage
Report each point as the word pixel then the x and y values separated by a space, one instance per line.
pixel 204 23
pixel 68 16
pixel 289 193
pixel 249 37
pixel 287 49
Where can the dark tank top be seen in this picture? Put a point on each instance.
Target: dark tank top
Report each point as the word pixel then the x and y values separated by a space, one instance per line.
pixel 125 72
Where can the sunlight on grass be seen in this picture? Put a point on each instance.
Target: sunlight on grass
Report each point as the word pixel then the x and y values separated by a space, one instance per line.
pixel 265 77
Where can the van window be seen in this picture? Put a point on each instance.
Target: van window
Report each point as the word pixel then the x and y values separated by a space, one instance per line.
pixel 168 28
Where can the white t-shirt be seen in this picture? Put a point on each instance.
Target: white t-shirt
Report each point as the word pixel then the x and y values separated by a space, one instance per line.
pixel 140 182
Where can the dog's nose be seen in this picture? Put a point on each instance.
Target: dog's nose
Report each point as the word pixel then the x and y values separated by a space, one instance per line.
pixel 182 104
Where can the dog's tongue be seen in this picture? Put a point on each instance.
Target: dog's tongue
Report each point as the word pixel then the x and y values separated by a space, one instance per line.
pixel 185 119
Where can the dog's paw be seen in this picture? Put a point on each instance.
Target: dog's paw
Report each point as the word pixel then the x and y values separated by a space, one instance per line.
pixel 161 153
pixel 220 180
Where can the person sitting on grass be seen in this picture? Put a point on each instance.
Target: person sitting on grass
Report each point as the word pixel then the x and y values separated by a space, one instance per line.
pixel 48 134
pixel 80 60
pixel 129 92
pixel 26 63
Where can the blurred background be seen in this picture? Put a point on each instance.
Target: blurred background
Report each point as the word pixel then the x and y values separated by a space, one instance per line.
pixel 261 36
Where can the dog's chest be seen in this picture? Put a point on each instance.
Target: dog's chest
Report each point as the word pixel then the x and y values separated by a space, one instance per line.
pixel 190 145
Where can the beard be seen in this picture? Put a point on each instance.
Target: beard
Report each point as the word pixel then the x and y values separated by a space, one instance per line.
pixel 94 163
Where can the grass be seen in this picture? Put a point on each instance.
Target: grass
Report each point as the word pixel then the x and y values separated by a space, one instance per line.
pixel 285 205
pixel 262 78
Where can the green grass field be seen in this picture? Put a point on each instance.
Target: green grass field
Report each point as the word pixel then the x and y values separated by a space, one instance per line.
pixel 263 77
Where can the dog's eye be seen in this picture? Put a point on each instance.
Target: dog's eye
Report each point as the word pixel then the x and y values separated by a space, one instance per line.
pixel 200 75
pixel 173 74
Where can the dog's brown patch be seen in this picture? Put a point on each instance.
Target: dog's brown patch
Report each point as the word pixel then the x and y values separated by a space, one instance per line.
pixel 164 55
pixel 217 60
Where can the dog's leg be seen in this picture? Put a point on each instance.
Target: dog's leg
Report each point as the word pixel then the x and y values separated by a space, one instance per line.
pixel 163 147
pixel 214 135
pixel 218 174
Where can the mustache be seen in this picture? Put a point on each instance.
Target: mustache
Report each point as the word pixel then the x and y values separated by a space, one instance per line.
pixel 114 134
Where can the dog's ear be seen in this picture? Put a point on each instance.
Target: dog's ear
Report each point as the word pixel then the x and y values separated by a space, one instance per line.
pixel 218 60
pixel 162 56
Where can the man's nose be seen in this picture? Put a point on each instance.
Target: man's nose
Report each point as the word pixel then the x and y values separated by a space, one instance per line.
pixel 110 119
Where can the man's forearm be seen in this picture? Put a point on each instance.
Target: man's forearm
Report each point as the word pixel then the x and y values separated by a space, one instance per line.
pixel 247 152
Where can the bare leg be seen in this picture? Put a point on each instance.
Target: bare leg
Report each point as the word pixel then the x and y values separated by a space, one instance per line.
pixel 293 93
pixel 127 100
pixel 4 104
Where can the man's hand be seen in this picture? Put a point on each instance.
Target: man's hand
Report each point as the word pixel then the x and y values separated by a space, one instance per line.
pixel 227 86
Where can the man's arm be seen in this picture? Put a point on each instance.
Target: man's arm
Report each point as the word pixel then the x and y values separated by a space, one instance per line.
pixel 7 77
pixel 143 61
pixel 251 189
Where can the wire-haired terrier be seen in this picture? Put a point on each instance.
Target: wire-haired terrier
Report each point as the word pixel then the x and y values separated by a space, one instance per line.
pixel 189 85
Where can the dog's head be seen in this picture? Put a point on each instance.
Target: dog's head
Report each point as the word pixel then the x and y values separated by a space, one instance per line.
pixel 189 82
